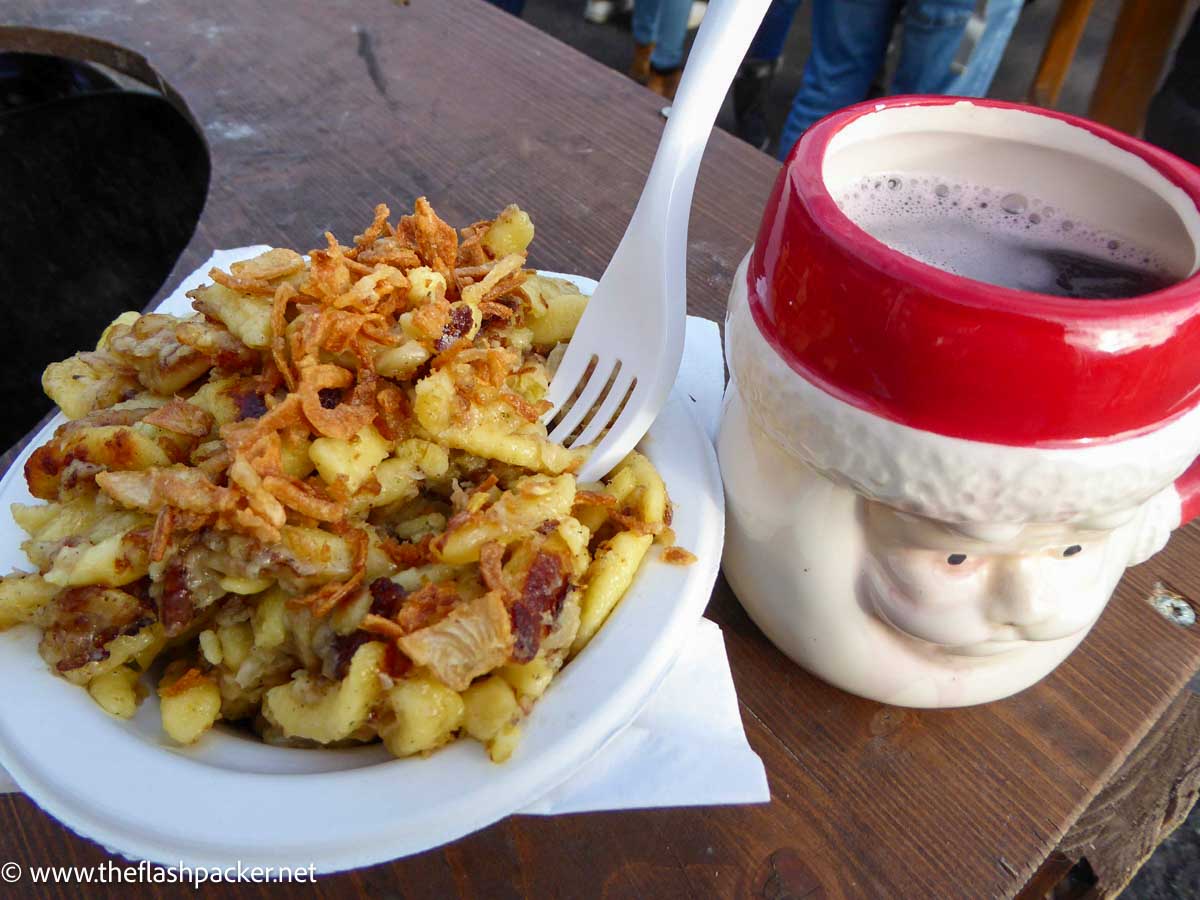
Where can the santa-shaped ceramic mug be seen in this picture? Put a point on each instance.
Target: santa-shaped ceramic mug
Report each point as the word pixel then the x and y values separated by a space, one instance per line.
pixel 934 483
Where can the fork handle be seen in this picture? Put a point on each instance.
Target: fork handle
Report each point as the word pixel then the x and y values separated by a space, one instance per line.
pixel 724 37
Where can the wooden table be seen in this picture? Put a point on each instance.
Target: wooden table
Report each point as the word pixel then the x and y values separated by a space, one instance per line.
pixel 314 112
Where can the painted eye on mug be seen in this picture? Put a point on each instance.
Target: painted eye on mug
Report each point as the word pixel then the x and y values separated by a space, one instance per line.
pixel 956 559
pixel 1072 550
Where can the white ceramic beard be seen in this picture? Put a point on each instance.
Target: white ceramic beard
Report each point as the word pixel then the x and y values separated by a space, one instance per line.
pixel 841 527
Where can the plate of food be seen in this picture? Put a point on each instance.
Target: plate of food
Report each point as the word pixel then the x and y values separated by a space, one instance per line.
pixel 297 578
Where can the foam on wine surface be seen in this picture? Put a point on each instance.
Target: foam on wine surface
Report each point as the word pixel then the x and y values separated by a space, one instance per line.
pixel 1003 237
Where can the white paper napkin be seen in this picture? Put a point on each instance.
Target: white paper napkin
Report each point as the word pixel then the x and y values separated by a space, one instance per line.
pixel 678 752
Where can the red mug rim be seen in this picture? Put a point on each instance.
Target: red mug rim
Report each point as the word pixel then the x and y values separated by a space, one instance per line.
pixel 805 165
pixel 952 355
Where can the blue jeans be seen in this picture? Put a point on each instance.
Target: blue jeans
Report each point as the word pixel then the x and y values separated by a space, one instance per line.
pixel 850 40
pixel 976 79
pixel 664 24
pixel 768 42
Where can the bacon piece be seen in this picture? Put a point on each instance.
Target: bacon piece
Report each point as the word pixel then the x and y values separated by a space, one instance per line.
pixel 491 559
pixel 386 598
pixel 343 647
pixel 540 603
pixel 176 608
pixel 181 417
pixel 250 405
pixel 456 328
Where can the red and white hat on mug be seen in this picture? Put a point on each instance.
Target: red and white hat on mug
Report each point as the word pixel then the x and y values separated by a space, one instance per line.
pixel 988 405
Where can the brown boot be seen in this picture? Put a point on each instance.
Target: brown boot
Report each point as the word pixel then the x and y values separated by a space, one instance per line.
pixel 639 69
pixel 665 83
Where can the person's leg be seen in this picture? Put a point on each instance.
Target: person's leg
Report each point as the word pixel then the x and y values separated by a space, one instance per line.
pixel 933 32
pixel 753 79
pixel 976 79
pixel 645 35
pixel 850 38
pixel 645 20
pixel 666 62
pixel 671 35
pixel 772 33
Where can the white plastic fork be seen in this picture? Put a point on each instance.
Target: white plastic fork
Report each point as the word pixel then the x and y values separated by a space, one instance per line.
pixel 634 325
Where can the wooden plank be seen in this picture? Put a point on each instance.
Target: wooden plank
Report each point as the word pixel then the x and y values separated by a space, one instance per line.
pixel 315 111
pixel 1142 804
pixel 1142 39
pixel 1056 60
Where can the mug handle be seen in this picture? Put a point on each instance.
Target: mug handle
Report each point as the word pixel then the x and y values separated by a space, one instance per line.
pixel 1187 486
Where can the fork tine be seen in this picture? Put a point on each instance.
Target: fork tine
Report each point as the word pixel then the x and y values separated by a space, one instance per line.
pixel 608 408
pixel 571 372
pixel 583 403
pixel 622 436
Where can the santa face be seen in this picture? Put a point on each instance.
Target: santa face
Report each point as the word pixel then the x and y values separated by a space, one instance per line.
pixel 988 591
pixel 904 609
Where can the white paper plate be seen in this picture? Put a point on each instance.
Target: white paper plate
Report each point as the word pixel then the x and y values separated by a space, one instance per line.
pixel 230 798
